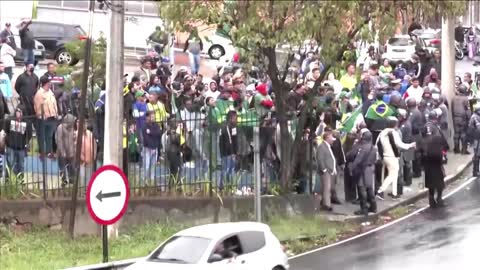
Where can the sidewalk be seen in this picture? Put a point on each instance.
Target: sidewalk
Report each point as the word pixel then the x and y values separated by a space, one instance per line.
pixel 456 166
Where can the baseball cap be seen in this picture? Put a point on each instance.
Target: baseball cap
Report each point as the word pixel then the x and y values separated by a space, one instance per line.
pixel 139 94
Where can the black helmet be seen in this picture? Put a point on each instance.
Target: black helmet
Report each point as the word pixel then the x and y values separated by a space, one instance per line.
pixel 432 115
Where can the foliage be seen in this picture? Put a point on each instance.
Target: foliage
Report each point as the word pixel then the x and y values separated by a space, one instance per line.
pixel 13 186
pixel 258 26
pixel 98 61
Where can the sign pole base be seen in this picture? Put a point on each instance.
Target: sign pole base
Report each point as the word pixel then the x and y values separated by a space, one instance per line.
pixel 105 243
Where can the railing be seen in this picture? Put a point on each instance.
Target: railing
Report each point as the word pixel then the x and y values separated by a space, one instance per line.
pixel 188 159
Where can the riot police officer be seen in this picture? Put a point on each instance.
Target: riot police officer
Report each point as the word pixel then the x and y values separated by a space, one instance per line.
pixel 407 156
pixel 428 99
pixel 417 122
pixel 461 114
pixel 474 135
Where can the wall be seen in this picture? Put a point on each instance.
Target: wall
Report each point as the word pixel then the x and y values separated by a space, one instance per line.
pixel 193 211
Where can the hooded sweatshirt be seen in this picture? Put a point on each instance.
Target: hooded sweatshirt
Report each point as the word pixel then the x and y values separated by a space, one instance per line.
pixel 65 137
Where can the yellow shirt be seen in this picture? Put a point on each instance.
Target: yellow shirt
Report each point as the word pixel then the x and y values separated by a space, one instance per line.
pixel 159 110
pixel 348 81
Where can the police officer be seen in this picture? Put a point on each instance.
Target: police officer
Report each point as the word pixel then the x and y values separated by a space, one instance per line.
pixel 432 128
pixel 439 103
pixel 417 123
pixel 407 156
pixel 364 166
pixel 474 134
pixel 461 114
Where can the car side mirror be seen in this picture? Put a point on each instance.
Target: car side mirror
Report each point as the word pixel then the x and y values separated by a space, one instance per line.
pixel 215 258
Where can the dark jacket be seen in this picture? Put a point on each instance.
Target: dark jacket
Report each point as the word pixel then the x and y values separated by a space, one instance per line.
pixel 26 38
pixel 18 134
pixel 228 141
pixel 153 138
pixel 416 120
pixel 460 109
pixel 432 158
pixel 26 87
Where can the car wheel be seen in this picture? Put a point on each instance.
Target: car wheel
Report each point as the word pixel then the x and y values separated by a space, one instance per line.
pixel 216 51
pixel 278 268
pixel 64 57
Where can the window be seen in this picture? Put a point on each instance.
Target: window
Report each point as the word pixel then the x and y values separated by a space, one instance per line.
pixel 252 241
pixel 150 8
pixel 181 249
pixel 400 42
pixel 74 31
pixel 134 7
pixel 229 247
pixel 76 4
pixel 50 3
pixel 40 30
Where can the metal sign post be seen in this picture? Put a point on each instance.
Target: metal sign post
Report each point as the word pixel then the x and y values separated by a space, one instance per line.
pixel 107 199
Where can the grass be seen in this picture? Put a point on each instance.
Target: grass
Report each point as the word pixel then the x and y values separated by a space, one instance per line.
pixel 41 248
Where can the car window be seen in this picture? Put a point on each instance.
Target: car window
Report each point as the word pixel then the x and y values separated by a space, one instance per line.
pixel 400 42
pixel 74 31
pixel 229 248
pixel 41 30
pixel 252 241
pixel 181 249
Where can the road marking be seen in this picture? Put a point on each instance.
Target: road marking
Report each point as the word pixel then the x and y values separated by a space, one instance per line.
pixel 457 189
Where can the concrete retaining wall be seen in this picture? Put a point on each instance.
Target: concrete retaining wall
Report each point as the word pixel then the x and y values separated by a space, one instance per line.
pixel 195 211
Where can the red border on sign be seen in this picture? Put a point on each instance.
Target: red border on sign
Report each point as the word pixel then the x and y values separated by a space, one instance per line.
pixel 127 195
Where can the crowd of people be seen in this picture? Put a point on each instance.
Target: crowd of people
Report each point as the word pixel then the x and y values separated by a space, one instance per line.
pixel 378 127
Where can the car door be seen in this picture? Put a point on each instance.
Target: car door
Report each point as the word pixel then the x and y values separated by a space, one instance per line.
pixel 254 251
pixel 49 35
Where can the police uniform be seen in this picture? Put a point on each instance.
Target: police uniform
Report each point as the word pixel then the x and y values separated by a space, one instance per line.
pixel 407 156
pixel 474 124
pixel 461 114
pixel 417 123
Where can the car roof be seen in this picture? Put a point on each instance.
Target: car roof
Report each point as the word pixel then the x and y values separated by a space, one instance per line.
pixel 401 36
pixel 219 230
pixel 56 23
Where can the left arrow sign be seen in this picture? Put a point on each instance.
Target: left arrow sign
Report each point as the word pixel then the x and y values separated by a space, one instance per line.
pixel 101 195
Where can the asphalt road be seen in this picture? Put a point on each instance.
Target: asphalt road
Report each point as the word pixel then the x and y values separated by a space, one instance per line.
pixel 441 239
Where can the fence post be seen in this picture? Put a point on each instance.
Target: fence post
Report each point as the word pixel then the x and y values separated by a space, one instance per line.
pixel 210 162
pixel 258 176
pixel 310 160
pixel 43 153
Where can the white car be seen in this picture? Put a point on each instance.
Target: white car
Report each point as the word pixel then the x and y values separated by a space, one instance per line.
pixel 217 46
pixel 402 48
pixel 240 245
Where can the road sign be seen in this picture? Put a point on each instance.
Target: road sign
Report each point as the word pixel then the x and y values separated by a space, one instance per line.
pixel 107 195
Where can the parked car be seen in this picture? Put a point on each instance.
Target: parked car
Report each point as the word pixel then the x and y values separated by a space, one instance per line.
pixel 54 36
pixel 402 47
pixel 212 246
pixel 217 46
pixel 38 52
pixel 431 37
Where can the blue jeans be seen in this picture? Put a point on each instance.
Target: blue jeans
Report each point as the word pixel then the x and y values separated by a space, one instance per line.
pixel 45 130
pixel 16 160
pixel 149 160
pixel 28 56
pixel 228 169
pixel 194 62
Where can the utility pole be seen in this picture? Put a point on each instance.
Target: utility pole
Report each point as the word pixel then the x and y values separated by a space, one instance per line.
pixel 448 64
pixel 81 123
pixel 113 149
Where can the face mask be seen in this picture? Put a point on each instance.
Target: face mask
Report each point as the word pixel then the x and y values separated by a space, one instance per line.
pixel 31 69
pixel 1 71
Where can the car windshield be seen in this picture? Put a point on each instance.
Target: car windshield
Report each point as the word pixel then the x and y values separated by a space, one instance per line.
pixel 181 249
pixel 400 42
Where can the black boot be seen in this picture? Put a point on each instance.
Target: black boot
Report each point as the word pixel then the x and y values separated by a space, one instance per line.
pixel 431 201
pixel 465 150
pixel 440 202
pixel 456 148
pixel 476 164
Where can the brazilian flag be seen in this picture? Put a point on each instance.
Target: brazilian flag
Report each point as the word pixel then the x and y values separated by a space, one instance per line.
pixel 245 117
pixel 379 110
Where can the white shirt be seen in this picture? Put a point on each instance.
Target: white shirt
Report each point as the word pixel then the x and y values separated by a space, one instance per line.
pixel 415 93
pixel 212 94
pixel 6 55
pixel 387 148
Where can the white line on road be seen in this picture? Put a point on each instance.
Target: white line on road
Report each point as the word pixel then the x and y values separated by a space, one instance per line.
pixel 463 185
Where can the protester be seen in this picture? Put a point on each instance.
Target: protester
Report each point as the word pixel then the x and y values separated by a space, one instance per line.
pixel 88 153
pixel 18 134
pixel 144 72
pixel 152 136
pixel 194 46
pixel 5 83
pixel 7 34
pixel 26 86
pixel 27 41
pixel 65 139
pixel 327 168
pixel 7 55
pixel 46 114
pixel 473 134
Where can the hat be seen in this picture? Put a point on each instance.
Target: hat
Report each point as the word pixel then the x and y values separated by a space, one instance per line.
pixel 139 94
pixel 262 89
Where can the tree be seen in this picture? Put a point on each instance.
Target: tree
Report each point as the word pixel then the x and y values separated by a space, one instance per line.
pixel 97 68
pixel 258 26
